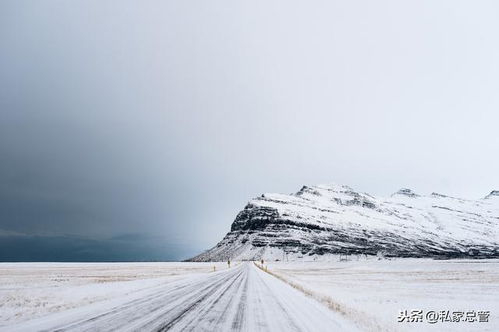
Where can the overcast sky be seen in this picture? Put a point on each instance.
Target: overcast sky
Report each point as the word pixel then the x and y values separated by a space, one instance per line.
pixel 131 119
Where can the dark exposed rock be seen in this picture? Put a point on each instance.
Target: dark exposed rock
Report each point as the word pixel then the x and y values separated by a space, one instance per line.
pixel 406 192
pixel 493 193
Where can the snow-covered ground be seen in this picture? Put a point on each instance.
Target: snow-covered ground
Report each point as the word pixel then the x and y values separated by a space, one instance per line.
pixel 242 298
pixel 373 292
pixel 30 290
pixel 365 294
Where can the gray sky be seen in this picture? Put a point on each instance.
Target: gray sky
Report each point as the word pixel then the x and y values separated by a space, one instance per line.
pixel 166 117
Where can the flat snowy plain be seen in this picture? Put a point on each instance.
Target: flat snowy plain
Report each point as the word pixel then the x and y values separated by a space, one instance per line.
pixel 191 297
pixel 372 292
pixel 361 295
pixel 31 290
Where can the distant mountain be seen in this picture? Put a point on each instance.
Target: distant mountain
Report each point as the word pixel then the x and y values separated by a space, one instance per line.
pixel 335 219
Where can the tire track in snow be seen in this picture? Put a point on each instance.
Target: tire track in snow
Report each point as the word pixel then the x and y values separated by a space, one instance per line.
pixel 239 299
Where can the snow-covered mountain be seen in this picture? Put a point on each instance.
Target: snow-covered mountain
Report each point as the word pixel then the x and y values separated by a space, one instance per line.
pixel 335 219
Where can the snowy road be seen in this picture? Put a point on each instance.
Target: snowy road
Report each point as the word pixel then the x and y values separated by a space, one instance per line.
pixel 242 298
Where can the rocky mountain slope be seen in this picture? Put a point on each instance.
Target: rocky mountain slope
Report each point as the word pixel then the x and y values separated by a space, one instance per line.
pixel 333 219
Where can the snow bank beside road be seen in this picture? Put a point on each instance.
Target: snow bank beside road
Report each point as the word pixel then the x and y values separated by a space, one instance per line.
pixel 373 292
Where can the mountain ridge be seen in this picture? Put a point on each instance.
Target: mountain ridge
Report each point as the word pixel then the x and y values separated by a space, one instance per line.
pixel 335 219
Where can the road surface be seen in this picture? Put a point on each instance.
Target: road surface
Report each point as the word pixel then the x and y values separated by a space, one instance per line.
pixel 242 298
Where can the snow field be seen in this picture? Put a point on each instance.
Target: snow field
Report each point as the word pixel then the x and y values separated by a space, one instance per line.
pixel 372 292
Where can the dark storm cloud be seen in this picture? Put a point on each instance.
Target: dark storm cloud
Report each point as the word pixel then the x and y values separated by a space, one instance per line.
pixel 164 118
pixel 128 247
